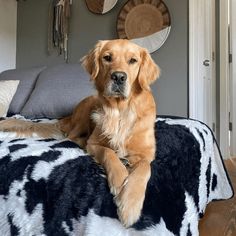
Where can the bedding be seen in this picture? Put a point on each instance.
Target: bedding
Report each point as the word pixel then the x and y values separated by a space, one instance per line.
pixel 64 86
pixel 7 91
pixel 52 187
pixel 27 78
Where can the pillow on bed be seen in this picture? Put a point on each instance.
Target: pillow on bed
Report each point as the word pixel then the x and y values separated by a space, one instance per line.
pixel 57 91
pixel 7 91
pixel 27 79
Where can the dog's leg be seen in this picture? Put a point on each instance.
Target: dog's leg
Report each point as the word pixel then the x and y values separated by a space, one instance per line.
pixel 24 128
pixel 130 199
pixel 116 171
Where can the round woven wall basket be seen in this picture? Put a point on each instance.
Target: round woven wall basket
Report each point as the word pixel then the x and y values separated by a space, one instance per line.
pixel 100 6
pixel 145 22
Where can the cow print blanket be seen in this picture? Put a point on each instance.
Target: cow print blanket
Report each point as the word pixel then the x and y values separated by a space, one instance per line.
pixel 51 187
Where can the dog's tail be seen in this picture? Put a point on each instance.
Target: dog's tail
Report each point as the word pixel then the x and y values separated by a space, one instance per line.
pixel 23 128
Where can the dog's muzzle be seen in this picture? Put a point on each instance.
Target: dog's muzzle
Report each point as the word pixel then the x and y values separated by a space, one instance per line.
pixel 118 82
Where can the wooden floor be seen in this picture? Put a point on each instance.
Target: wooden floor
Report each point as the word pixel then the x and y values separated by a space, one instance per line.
pixel 220 217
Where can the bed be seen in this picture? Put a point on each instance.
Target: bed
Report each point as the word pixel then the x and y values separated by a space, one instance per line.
pixel 53 188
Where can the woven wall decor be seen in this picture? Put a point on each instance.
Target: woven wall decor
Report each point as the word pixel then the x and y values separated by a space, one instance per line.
pixel 100 6
pixel 145 22
pixel 58 26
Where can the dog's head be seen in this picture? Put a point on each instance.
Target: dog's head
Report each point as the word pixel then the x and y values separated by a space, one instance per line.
pixel 120 66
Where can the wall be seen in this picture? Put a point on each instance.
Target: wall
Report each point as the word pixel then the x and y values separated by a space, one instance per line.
pixel 217 35
pixel 8 16
pixel 171 90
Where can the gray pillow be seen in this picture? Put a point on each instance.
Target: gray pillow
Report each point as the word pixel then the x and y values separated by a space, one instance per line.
pixel 57 91
pixel 27 78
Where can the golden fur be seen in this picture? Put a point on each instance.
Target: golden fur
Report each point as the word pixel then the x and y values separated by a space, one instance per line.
pixel 117 123
pixel 25 129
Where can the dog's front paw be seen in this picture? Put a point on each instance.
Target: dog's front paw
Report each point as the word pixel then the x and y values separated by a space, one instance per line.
pixel 129 204
pixel 117 179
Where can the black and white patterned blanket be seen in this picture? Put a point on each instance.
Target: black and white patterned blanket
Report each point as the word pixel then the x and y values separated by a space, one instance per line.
pixel 53 188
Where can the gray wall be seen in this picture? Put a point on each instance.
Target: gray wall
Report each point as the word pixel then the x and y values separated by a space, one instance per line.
pixel 170 91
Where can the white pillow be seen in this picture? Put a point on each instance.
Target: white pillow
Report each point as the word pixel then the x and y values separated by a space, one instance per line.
pixel 7 91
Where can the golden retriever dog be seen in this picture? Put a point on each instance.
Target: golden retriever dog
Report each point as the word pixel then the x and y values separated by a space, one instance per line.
pixel 117 126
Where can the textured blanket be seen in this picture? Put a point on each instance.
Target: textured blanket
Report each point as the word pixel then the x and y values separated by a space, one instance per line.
pixel 51 187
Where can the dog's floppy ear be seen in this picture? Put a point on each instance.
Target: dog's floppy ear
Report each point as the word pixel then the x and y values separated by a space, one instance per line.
pixel 91 61
pixel 149 70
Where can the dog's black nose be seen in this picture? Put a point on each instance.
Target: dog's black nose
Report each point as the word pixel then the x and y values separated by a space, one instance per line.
pixel 119 77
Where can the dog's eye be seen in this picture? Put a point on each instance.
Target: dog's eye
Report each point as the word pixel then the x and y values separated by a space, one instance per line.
pixel 107 58
pixel 132 61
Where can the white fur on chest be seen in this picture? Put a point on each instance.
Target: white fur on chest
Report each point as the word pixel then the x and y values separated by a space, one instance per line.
pixel 116 126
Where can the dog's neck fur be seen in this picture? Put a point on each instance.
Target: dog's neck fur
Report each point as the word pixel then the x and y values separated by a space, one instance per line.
pixel 116 119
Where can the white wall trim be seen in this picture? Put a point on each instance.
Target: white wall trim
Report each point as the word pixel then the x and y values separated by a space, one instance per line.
pixel 224 80
pixel 193 60
pixel 233 78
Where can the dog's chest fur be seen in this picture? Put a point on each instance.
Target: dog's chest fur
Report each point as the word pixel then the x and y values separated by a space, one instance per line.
pixel 116 126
